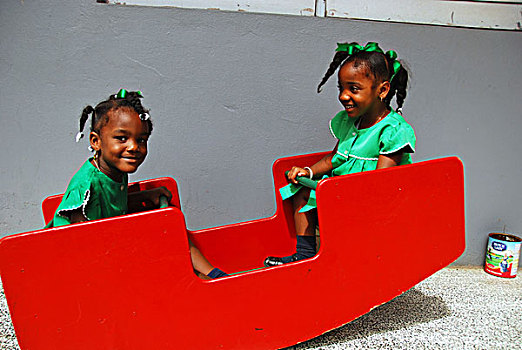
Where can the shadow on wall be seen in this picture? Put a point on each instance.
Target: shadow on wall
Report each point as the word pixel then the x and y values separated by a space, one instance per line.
pixel 412 307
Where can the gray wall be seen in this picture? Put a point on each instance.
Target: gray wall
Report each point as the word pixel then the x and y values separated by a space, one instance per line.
pixel 231 92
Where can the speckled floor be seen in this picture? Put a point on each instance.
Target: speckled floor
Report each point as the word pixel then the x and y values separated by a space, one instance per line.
pixel 457 308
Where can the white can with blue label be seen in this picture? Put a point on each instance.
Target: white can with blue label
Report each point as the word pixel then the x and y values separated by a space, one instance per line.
pixel 502 255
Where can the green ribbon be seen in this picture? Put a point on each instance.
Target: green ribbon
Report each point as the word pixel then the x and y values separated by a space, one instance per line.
pixel 123 93
pixel 353 48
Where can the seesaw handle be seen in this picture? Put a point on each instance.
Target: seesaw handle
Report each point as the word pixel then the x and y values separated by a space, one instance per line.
pixel 164 202
pixel 303 180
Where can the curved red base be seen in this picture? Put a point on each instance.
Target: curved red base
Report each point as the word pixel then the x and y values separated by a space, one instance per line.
pixel 127 282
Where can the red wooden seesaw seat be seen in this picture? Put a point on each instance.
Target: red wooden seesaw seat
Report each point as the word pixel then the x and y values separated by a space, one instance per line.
pixel 127 282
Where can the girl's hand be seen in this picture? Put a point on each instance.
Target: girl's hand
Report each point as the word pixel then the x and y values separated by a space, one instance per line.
pixel 147 199
pixel 154 195
pixel 323 166
pixel 295 172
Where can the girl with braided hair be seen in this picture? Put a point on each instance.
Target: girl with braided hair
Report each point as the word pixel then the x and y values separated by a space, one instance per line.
pixel 120 130
pixel 370 134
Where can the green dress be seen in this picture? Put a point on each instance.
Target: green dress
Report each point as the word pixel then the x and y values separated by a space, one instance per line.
pixel 95 193
pixel 359 149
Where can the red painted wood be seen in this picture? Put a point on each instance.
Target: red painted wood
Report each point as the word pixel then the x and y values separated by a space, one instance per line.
pixel 127 282
pixel 249 243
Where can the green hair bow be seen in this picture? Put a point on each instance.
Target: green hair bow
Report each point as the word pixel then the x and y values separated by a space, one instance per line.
pixel 123 93
pixel 353 48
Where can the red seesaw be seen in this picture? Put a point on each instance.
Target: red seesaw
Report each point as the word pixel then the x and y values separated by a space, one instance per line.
pixel 127 282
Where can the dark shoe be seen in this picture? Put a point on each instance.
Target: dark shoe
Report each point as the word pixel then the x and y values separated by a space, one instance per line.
pixel 276 261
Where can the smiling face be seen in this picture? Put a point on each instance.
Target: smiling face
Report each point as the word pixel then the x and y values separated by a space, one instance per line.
pixel 359 93
pixel 121 143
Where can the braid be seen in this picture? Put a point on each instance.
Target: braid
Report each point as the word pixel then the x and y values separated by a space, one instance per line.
pixel 400 83
pixel 83 119
pixel 100 117
pixel 393 81
pixel 398 87
pixel 339 57
pixel 134 100
pixel 85 115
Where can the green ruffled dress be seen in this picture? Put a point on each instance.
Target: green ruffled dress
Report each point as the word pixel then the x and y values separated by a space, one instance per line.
pixel 359 150
pixel 95 193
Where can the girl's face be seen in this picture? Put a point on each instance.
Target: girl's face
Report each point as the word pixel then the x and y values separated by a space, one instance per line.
pixel 122 143
pixel 358 91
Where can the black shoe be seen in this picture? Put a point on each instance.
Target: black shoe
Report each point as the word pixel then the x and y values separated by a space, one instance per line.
pixel 276 261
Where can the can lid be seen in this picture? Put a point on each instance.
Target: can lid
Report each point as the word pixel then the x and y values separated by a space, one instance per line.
pixel 505 237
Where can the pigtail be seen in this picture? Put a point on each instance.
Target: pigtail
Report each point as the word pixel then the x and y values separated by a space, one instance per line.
pixel 83 119
pixel 134 99
pixel 339 57
pixel 398 86
pixel 398 79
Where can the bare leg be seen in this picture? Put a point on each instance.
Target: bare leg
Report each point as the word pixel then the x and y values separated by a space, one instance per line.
pixel 202 276
pixel 199 262
pixel 304 222
pixel 305 228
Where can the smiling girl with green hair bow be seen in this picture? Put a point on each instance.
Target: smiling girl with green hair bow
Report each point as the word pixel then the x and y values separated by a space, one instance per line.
pixel 370 134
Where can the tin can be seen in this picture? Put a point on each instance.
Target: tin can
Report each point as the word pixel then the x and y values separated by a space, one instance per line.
pixel 502 255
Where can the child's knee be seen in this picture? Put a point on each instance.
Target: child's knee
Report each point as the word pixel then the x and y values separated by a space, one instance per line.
pixel 301 198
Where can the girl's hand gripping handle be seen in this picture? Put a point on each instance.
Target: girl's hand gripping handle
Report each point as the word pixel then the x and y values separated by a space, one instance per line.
pixel 303 180
pixel 148 199
pixel 163 202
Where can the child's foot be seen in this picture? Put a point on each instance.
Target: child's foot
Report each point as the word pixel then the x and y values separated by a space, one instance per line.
pixel 305 248
pixel 276 261
pixel 217 273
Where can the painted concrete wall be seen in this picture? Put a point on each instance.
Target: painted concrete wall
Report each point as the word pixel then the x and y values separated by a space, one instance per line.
pixel 231 92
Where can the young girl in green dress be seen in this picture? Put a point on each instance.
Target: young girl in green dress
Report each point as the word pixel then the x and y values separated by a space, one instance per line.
pixel 370 134
pixel 120 130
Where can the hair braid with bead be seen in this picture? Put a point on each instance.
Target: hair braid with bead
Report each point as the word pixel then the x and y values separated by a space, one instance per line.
pixel 339 57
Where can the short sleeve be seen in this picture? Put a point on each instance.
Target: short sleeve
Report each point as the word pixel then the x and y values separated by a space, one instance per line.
pixel 338 125
pixel 397 137
pixel 74 199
